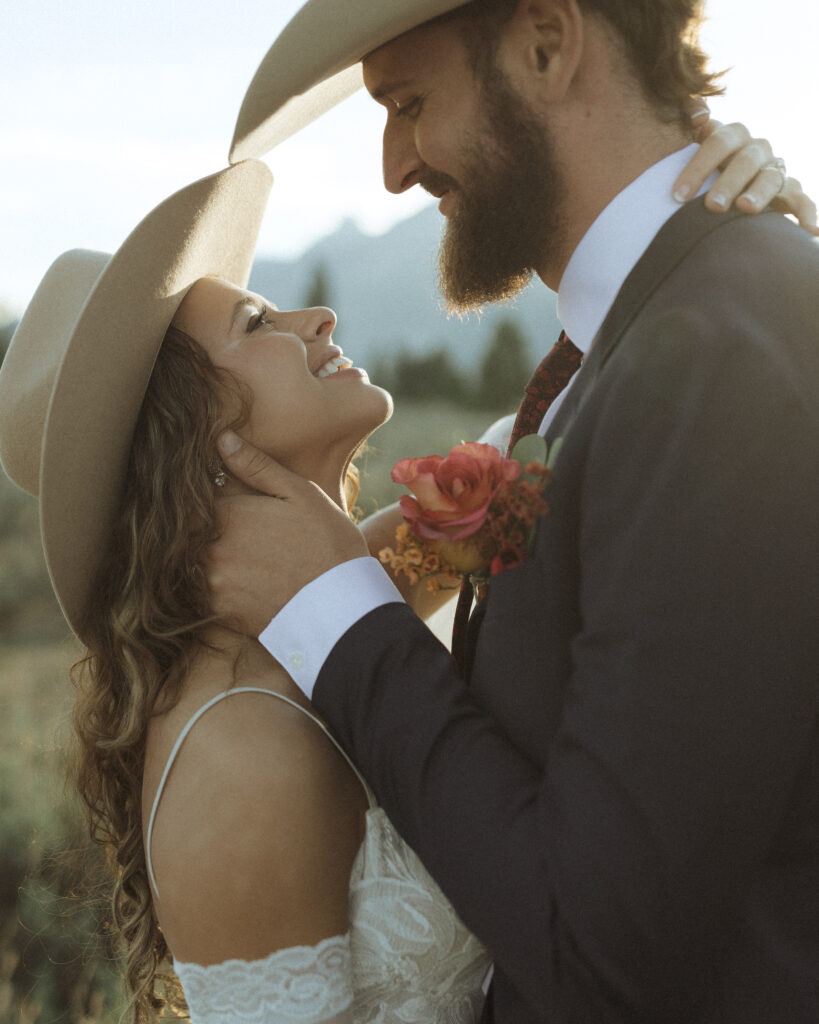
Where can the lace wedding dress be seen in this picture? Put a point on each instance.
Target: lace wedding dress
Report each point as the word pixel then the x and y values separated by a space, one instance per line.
pixel 406 959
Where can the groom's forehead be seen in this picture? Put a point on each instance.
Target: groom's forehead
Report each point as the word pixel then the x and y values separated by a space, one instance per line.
pixel 400 61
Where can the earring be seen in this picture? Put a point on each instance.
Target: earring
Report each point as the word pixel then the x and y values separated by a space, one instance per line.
pixel 217 471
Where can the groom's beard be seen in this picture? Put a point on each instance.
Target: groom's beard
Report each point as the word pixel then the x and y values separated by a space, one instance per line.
pixel 506 220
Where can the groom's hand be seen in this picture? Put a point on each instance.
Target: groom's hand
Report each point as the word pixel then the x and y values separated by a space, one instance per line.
pixel 273 543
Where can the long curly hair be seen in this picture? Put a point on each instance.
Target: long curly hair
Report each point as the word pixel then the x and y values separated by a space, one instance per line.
pixel 141 632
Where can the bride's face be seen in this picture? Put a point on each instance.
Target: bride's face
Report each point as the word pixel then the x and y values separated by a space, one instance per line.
pixel 310 405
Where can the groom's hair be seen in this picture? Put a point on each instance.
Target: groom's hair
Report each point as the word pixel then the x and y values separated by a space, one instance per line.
pixel 659 40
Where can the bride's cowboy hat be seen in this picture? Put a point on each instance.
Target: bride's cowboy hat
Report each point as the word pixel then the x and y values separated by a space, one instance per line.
pixel 316 62
pixel 76 371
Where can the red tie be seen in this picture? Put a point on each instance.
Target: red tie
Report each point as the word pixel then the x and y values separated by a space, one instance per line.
pixel 552 375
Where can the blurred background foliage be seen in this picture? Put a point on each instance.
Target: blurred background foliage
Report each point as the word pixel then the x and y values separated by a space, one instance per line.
pixel 57 963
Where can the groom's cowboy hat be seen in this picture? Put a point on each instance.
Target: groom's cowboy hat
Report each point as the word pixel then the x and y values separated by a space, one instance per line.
pixel 316 62
pixel 76 371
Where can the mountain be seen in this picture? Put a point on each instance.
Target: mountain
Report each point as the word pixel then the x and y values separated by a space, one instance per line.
pixel 384 291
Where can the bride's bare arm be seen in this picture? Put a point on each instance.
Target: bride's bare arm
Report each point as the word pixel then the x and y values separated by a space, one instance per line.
pixel 379 531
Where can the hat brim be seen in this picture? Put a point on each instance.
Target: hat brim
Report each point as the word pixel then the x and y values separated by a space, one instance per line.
pixel 207 228
pixel 316 62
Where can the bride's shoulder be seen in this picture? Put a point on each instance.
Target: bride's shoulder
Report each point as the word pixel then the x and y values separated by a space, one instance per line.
pixel 237 713
pixel 257 827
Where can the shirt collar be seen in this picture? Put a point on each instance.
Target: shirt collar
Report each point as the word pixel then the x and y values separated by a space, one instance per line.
pixel 612 246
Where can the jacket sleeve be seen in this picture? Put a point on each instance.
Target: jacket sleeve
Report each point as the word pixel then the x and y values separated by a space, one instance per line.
pixel 608 878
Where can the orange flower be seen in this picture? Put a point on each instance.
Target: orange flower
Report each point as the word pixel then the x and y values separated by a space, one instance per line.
pixel 452 493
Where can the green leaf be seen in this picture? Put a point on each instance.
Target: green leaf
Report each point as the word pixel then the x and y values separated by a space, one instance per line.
pixel 531 448
pixel 553 452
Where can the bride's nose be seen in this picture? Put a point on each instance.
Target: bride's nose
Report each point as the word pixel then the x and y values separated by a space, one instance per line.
pixel 317 323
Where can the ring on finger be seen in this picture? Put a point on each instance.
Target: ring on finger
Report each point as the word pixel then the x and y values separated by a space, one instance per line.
pixel 777 164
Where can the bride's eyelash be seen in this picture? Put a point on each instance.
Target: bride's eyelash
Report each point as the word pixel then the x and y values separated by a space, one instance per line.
pixel 257 319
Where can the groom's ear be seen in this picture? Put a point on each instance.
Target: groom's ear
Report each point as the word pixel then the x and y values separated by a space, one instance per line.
pixel 541 48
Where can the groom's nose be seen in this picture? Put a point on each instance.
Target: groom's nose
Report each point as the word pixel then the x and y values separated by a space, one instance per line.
pixel 401 164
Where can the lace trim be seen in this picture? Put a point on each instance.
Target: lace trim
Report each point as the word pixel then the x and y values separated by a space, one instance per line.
pixel 298 984
pixel 413 961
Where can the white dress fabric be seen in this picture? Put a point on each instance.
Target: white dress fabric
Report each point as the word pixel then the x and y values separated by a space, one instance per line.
pixel 406 959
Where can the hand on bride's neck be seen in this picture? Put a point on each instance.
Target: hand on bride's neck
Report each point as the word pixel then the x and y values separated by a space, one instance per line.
pixel 330 482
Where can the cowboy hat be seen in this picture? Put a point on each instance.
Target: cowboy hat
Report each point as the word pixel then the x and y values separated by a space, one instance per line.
pixel 316 62
pixel 75 374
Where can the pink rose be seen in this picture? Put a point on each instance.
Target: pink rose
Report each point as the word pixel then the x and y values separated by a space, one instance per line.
pixel 452 493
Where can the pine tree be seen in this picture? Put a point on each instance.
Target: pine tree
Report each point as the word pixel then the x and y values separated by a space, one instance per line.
pixel 504 368
pixel 318 293
pixel 428 375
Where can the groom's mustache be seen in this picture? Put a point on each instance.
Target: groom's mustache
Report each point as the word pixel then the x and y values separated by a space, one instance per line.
pixel 436 183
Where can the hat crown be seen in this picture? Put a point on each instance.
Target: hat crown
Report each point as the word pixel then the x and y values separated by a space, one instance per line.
pixel 34 357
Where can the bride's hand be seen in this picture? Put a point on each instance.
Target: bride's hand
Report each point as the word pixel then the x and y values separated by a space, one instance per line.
pixel 750 176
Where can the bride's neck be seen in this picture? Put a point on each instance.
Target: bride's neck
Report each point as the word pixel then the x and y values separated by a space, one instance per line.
pixel 226 642
pixel 231 659
pixel 224 657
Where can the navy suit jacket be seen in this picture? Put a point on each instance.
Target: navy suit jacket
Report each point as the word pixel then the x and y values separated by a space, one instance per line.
pixel 623 804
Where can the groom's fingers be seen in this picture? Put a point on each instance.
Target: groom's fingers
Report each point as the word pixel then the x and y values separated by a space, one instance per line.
pixel 268 549
pixel 255 467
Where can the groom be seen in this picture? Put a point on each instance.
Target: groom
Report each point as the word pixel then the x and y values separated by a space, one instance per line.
pixel 623 800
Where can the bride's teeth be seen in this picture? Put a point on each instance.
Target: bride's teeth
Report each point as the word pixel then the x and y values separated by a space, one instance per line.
pixel 333 366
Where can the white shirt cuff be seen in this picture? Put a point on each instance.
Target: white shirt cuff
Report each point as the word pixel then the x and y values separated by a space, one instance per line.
pixel 304 632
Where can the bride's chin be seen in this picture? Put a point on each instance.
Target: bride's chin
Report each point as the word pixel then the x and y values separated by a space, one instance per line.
pixel 385 406
pixel 371 412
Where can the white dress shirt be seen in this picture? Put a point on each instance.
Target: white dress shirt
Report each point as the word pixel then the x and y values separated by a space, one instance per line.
pixel 304 632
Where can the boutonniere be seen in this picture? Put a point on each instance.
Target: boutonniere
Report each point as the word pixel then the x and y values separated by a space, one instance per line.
pixel 471 512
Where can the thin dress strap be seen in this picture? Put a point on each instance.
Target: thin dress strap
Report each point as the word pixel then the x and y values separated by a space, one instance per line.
pixel 184 735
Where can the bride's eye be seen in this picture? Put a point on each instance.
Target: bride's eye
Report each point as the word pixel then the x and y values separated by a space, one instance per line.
pixel 257 320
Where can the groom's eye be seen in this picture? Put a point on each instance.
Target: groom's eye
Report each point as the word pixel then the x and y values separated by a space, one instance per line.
pixel 412 108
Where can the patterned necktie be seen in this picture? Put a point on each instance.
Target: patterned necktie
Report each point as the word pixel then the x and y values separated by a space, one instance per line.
pixel 552 375
pixel 555 371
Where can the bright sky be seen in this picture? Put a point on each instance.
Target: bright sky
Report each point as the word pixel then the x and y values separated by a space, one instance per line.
pixel 107 107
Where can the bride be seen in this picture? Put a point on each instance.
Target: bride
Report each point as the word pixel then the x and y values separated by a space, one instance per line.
pixel 243 841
